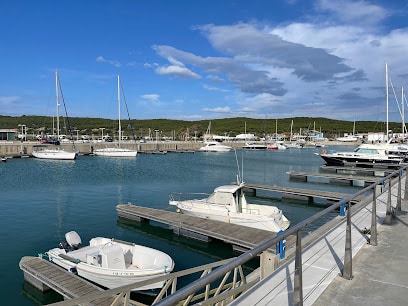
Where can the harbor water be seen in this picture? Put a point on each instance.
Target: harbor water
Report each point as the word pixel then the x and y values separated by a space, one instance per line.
pixel 41 200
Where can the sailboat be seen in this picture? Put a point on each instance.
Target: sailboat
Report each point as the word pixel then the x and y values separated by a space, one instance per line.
pixel 116 151
pixel 57 153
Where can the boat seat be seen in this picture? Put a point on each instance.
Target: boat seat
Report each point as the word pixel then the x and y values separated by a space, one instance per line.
pixel 113 257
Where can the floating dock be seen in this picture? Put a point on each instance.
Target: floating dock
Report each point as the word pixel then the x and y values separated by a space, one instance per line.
pixel 351 180
pixel 45 275
pixel 302 194
pixel 356 170
pixel 240 237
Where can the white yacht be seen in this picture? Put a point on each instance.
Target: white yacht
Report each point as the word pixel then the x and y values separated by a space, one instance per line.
pixel 228 203
pixel 214 146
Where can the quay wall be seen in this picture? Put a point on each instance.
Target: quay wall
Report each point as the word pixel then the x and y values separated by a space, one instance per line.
pixel 19 149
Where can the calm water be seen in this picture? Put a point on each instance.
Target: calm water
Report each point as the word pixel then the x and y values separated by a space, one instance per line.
pixel 42 200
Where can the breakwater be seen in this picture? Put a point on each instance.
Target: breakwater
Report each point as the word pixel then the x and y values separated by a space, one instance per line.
pixel 24 149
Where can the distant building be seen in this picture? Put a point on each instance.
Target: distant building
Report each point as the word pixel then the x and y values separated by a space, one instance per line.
pixel 7 134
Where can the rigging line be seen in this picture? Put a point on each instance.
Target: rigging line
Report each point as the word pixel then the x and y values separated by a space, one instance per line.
pixel 127 111
pixel 66 113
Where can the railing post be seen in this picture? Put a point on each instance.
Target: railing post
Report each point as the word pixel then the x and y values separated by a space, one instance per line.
pixel 298 282
pixel 398 207
pixel 388 212
pixel 348 264
pixel 406 185
pixel 373 230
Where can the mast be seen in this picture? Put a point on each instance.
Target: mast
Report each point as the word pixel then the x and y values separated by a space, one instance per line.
pixel 403 115
pixel 386 95
pixel 57 102
pixel 120 129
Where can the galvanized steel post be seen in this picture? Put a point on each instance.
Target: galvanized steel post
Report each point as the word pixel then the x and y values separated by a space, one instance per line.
pixel 406 185
pixel 398 207
pixel 298 283
pixel 373 230
pixel 348 257
pixel 388 211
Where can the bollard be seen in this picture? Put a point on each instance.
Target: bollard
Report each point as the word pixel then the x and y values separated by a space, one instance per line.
pixel 343 210
pixel 281 246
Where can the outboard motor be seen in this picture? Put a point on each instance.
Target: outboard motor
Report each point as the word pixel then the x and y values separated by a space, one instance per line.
pixel 73 239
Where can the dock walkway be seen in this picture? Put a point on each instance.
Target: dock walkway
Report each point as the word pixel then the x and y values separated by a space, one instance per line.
pixel 352 180
pixel 300 193
pixel 47 275
pixel 379 272
pixel 241 237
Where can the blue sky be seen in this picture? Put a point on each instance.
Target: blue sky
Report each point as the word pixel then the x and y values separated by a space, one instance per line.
pixel 194 60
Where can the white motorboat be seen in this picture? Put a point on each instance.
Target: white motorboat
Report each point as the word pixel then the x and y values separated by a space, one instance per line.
pixel 55 153
pixel 276 146
pixel 111 263
pixel 228 203
pixel 365 153
pixel 214 146
pixel 254 146
pixel 116 151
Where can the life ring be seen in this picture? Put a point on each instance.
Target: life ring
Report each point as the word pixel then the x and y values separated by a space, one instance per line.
pixel 323 152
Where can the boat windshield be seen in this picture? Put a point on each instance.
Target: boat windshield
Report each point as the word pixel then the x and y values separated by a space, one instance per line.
pixel 366 151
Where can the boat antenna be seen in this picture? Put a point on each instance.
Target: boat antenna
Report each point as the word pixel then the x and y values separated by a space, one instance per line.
pixel 239 178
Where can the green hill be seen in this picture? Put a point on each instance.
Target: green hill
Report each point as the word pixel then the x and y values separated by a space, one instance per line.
pixel 179 128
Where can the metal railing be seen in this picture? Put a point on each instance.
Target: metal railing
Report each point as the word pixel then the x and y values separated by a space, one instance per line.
pixel 200 290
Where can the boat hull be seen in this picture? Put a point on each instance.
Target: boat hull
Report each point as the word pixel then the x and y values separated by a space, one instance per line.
pixel 54 154
pixel 115 152
pixel 336 160
pixel 99 263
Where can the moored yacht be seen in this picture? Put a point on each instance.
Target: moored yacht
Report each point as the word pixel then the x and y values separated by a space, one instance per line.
pixel 365 153
pixel 214 146
pixel 228 204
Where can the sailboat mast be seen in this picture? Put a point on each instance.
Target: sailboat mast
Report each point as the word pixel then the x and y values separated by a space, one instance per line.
pixel 120 128
pixel 403 114
pixel 386 95
pixel 57 102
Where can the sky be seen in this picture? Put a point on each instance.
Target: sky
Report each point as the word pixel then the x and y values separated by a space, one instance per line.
pixel 205 59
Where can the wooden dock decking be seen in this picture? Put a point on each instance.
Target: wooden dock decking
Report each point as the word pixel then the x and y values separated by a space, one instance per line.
pixel 300 193
pixel 46 275
pixel 356 170
pixel 352 180
pixel 241 237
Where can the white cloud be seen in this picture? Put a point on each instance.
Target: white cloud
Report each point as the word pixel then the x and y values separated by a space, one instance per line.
pixel 115 63
pixel 220 110
pixel 177 71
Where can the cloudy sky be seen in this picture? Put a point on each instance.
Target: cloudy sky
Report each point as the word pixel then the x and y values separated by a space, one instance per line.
pixel 206 59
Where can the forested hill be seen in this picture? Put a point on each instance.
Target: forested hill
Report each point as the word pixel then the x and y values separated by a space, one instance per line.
pixel 168 127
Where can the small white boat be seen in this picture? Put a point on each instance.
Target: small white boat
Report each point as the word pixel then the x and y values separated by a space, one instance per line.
pixel 214 146
pixel 228 203
pixel 276 146
pixel 111 263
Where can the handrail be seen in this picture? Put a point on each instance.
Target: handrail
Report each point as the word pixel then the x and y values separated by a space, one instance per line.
pixel 186 294
pixel 183 293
